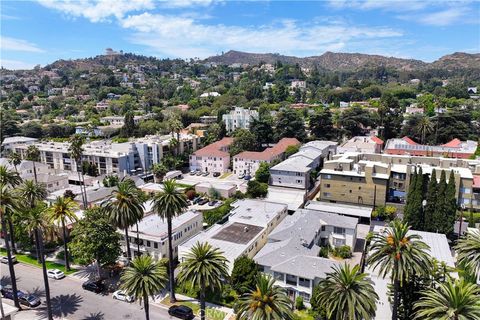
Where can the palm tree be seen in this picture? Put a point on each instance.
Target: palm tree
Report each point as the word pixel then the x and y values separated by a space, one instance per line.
pixel 143 278
pixel 9 203
pixel 175 125
pixel 451 300
pixel 9 178
pixel 168 204
pixel 159 170
pixel 33 154
pixel 398 254
pixel 424 127
pixel 125 208
pixel 347 294
pixel 62 209
pixel 468 250
pixel 14 159
pixel 204 267
pixel 36 220
pixel 76 152
pixel 266 301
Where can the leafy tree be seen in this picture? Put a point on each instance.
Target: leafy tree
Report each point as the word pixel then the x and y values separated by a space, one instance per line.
pixel 452 300
pixel 62 209
pixel 9 122
pixel 32 130
pixel 95 239
pixel 129 127
pixel 159 170
pixel 257 189
pixel 398 255
pixel 213 193
pixel 450 203
pixel 204 267
pixel 413 212
pixel 347 293
pixel 89 168
pixel 110 181
pixel 440 213
pixel 143 278
pixel 168 204
pixel 243 140
pixel 321 125
pixel 291 150
pixel 290 124
pixel 244 274
pixel 262 129
pixel 266 301
pixel 391 116
pixel 263 173
pixel 355 120
pixel 468 250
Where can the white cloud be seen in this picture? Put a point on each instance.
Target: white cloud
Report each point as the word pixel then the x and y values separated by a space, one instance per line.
pixel 12 44
pixel 444 17
pixel 185 37
pixel 188 3
pixel 15 64
pixel 97 10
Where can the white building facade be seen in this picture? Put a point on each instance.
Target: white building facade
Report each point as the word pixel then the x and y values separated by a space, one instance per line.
pixel 239 118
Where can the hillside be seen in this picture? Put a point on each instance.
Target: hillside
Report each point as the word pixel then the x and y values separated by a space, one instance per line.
pixel 350 61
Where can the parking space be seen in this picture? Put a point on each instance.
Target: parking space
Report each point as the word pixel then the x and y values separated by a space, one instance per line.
pixel 194 179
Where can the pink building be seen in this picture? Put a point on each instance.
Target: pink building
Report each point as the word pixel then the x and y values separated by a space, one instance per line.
pixel 212 158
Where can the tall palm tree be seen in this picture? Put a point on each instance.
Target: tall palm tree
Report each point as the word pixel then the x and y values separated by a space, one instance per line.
pixel 36 220
pixel 175 125
pixel 168 204
pixel 398 254
pixel 62 209
pixel 424 127
pixel 125 208
pixel 9 178
pixel 33 154
pixel 9 203
pixel 468 250
pixel 76 152
pixel 347 294
pixel 266 301
pixel 14 159
pixel 451 300
pixel 204 267
pixel 143 278
pixel 159 170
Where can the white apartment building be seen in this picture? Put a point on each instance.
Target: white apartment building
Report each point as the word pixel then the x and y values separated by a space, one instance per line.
pixel 9 143
pixel 120 121
pixel 153 233
pixel 245 233
pixel 239 118
pixel 301 84
pixel 212 158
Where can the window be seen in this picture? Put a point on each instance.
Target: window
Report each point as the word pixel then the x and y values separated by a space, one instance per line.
pixel 148 243
pixel 278 276
pixel 155 245
pixel 304 295
pixel 327 176
pixel 327 194
pixel 322 228
pixel 304 282
pixel 338 230
pixel 338 242
pixel 327 185
pixel 291 279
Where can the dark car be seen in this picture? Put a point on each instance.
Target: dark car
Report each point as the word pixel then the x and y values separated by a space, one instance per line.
pixel 212 203
pixel 182 312
pixel 197 200
pixel 25 299
pixel 94 286
pixel 247 177
pixel 216 174
pixel 202 202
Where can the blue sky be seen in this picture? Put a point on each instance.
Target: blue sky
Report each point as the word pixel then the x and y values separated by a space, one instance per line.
pixel 40 32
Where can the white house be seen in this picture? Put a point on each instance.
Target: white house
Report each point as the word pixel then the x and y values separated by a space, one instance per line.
pixel 301 84
pixel 212 158
pixel 239 118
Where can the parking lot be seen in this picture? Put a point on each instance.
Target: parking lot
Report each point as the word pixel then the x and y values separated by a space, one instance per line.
pixel 225 178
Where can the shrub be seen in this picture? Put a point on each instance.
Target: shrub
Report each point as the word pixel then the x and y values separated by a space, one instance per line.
pixel 324 251
pixel 384 212
pixel 343 252
pixel 190 194
pixel 299 303
pixel 211 217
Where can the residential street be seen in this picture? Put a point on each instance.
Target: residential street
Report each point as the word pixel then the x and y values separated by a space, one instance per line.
pixel 71 302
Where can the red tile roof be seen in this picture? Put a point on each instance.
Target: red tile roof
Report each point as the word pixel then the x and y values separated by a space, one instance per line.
pixel 377 140
pixel 215 149
pixel 409 141
pixel 269 153
pixel 476 181
pixel 455 143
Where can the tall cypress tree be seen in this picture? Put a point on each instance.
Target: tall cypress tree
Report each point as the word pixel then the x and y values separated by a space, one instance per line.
pixel 417 218
pixel 407 212
pixel 450 205
pixel 431 206
pixel 440 215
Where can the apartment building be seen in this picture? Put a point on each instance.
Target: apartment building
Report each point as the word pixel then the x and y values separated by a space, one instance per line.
pixel 294 172
pixel 364 144
pixel 453 149
pixel 376 178
pixel 245 232
pixel 134 156
pixel 248 162
pixel 213 158
pixel 153 233
pixel 9 143
pixel 120 121
pixel 291 253
pixel 239 118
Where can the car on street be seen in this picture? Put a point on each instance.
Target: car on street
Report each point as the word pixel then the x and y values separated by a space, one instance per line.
pixel 205 174
pixel 4 259
pixel 193 172
pixel 199 173
pixel 197 200
pixel 241 176
pixel 122 296
pixel 25 299
pixel 216 174
pixel 212 203
pixel 247 177
pixel 181 312
pixel 202 202
pixel 55 274
pixel 93 285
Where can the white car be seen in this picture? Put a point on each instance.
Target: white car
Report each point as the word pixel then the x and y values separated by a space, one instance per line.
pixel 122 296
pixel 4 259
pixel 55 274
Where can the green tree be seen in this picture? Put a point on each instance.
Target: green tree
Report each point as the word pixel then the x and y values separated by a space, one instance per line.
pixel 62 209
pixel 266 301
pixel 452 300
pixel 398 255
pixel 76 152
pixel 110 181
pixel 95 239
pixel 424 127
pixel 204 267
pixel 243 140
pixel 262 129
pixel 291 150
pixel 290 124
pixel 354 121
pixel 468 250
pixel 125 208
pixel 347 294
pixel 129 127
pixel 168 204
pixel 263 173
pixel 413 213
pixel 14 158
pixel 440 213
pixel 159 170
pixel 321 125
pixel 432 201
pixel 33 154
pixel 213 193
pixel 143 278
pixel 450 204
pixel 244 274
pixel 9 178
pixel 391 116
pixel 257 189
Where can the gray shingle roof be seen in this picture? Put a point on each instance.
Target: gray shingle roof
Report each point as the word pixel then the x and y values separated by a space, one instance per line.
pixel 306 266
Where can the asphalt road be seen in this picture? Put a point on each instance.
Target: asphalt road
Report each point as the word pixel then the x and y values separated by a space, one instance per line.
pixel 71 302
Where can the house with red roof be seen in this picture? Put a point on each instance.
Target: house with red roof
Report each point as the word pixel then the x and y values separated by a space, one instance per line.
pixel 452 149
pixel 213 158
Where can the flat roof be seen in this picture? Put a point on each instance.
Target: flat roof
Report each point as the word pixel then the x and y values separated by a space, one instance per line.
pixel 293 198
pixel 238 233
pixel 340 208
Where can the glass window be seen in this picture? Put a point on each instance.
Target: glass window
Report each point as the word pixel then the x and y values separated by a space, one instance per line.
pixel 155 245
pixel 338 230
pixel 304 282
pixel 291 279
pixel 278 276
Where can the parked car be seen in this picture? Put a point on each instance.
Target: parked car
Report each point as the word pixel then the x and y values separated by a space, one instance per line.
pixel 197 200
pixel 241 176
pixel 7 292
pixel 212 203
pixel 181 312
pixel 202 202
pixel 193 172
pixel 199 173
pixel 25 299
pixel 247 177
pixel 4 259
pixel 205 174
pixel 216 174
pixel 55 274
pixel 93 285
pixel 122 296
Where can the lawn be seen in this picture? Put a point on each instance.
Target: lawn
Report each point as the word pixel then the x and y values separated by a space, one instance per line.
pixel 31 260
pixel 303 315
pixel 226 174
pixel 211 314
